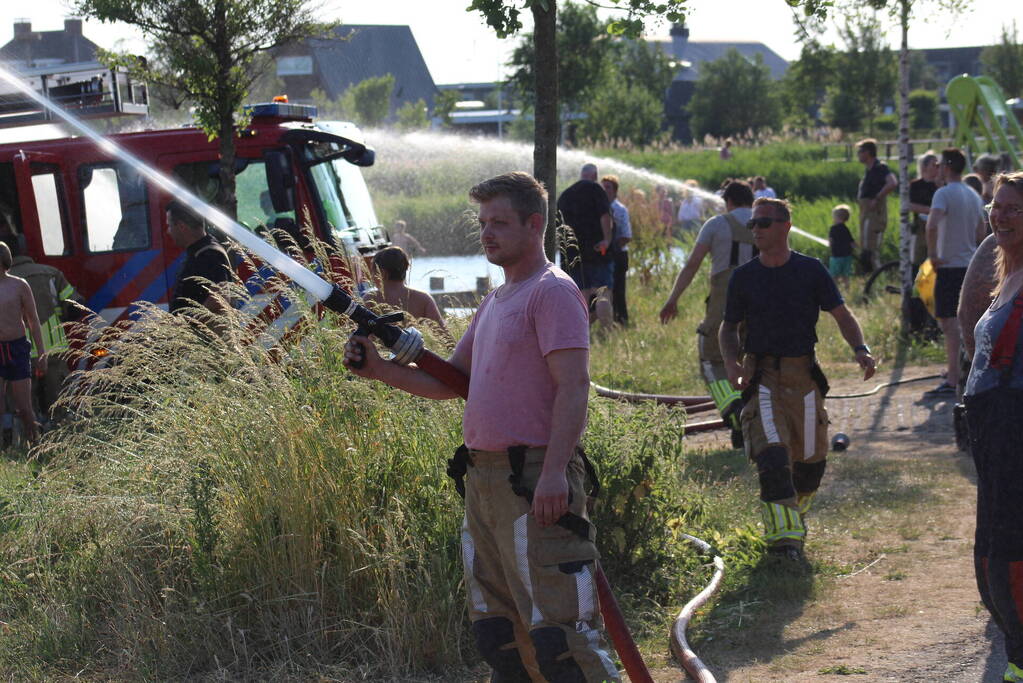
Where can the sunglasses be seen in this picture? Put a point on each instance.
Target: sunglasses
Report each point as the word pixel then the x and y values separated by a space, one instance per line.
pixel 762 222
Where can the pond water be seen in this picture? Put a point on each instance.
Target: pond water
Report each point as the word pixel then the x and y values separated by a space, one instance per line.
pixel 460 272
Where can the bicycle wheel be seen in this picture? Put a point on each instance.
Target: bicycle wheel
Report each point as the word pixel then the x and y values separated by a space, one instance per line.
pixel 886 281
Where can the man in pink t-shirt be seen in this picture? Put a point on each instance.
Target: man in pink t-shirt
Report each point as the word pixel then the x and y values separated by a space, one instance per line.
pixel 526 352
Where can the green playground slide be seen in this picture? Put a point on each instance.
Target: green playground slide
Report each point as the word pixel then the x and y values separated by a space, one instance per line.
pixel 983 122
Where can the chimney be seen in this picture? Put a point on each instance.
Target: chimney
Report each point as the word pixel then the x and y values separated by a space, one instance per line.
pixel 679 40
pixel 22 29
pixel 73 26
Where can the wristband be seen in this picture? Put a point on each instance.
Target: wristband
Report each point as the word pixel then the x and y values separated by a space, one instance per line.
pixel 861 347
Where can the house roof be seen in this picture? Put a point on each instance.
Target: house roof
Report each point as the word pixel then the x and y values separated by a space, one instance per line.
pixel 28 48
pixel 696 51
pixel 358 52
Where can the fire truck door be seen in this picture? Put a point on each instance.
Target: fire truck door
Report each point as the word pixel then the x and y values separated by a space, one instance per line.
pixel 43 201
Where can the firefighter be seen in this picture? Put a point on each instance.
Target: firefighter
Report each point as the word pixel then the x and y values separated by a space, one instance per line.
pixel 206 261
pixel 527 545
pixel 53 298
pixel 778 295
pixel 730 244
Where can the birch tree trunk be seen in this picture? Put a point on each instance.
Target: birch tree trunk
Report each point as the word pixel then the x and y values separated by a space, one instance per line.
pixel 905 236
pixel 546 130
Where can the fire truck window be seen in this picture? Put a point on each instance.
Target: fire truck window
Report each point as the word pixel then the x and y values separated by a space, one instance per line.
pixel 114 199
pixel 329 191
pixel 254 205
pixel 255 210
pixel 51 218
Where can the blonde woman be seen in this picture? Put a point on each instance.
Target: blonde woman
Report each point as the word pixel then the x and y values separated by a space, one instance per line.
pixel 994 412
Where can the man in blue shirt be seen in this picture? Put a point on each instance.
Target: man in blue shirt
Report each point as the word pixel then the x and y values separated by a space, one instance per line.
pixel 778 295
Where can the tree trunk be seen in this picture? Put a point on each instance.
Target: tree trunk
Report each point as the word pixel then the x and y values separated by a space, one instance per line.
pixel 546 123
pixel 227 200
pixel 905 236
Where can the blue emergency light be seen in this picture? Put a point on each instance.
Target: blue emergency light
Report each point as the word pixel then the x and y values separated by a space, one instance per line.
pixel 282 110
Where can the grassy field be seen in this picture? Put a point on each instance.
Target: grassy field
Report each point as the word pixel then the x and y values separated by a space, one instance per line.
pixel 228 516
pixel 231 515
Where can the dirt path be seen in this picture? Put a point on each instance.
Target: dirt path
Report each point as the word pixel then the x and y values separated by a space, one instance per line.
pixel 892 596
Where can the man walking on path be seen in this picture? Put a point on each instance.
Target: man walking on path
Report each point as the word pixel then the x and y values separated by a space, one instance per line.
pixel 730 244
pixel 877 183
pixel 621 235
pixel 778 295
pixel 526 355
pixel 585 208
pixel 18 313
pixel 955 226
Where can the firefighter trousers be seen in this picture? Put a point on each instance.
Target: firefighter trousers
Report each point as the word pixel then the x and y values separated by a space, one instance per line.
pixel 712 364
pixel 873 223
pixel 785 429
pixel 524 579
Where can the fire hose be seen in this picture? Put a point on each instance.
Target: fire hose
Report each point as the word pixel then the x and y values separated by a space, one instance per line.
pixel 692 404
pixel 700 404
pixel 678 644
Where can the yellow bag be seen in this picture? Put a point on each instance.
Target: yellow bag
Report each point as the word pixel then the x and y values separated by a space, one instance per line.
pixel 926 277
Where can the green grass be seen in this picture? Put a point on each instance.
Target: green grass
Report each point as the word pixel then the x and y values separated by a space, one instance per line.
pixel 227 515
pixel 208 511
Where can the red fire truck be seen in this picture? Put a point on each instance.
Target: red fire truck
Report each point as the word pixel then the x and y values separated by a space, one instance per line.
pixel 80 209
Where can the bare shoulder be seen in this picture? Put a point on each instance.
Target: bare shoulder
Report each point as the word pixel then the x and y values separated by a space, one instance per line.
pixel 418 302
pixel 14 284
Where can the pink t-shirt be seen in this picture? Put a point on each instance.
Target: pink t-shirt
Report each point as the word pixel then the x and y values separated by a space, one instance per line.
pixel 511 391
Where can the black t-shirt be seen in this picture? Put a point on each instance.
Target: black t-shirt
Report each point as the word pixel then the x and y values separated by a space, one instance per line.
pixel 581 207
pixel 781 305
pixel 873 180
pixel 841 240
pixel 204 259
pixel 922 192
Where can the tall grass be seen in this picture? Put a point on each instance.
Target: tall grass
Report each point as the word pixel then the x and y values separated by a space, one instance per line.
pixel 211 510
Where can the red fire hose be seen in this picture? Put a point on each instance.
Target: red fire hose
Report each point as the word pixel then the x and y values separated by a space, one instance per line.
pixel 692 404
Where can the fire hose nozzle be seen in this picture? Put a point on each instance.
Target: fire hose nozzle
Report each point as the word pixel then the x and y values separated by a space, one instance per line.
pixel 409 346
pixel 406 345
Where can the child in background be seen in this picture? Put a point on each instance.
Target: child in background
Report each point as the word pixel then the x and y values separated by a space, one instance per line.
pixel 842 245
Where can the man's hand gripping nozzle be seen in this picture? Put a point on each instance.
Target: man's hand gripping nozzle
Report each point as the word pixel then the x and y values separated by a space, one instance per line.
pixel 406 344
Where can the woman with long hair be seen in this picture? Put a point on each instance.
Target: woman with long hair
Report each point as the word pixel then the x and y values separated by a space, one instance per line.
pixel 994 412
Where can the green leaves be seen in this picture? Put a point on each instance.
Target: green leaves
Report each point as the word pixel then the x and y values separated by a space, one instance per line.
pixel 501 16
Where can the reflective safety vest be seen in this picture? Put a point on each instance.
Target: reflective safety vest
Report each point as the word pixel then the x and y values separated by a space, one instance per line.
pixel 742 251
pixel 49 289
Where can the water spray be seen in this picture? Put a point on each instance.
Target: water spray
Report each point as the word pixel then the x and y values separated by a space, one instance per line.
pixel 407 344
pixel 482 154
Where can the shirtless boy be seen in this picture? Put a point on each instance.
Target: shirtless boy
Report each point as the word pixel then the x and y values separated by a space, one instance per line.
pixel 18 313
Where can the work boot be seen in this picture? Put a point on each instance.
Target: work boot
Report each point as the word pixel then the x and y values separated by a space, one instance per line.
pixel 789 557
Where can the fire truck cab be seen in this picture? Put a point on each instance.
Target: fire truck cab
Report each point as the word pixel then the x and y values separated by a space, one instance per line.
pixel 77 207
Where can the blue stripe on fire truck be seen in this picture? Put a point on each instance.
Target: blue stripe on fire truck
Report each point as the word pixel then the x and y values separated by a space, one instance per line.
pixel 122 278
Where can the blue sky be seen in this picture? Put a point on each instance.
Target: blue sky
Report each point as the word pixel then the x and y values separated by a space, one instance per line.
pixel 458 46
